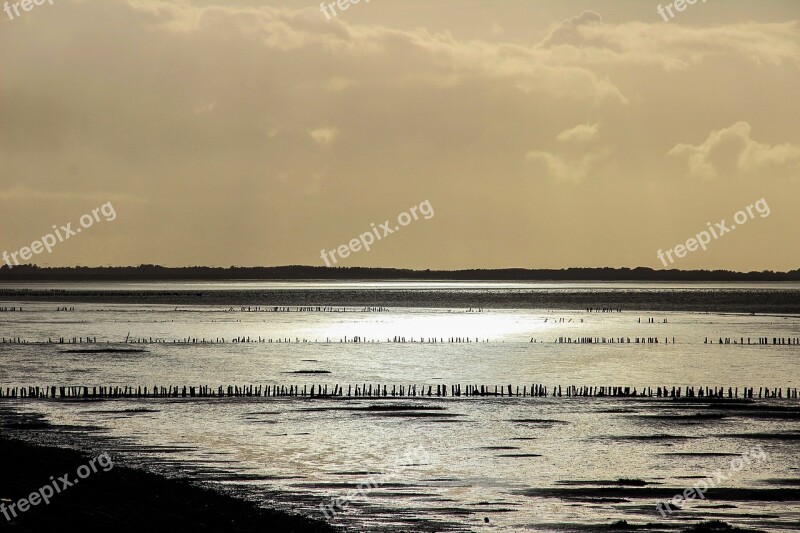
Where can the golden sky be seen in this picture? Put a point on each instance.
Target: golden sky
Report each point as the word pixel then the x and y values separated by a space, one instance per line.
pixel 543 133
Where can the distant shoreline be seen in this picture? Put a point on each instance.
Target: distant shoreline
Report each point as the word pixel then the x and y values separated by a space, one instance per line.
pixel 318 273
pixel 766 300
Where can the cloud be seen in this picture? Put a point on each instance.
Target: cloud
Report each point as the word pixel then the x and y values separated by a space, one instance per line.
pixel 204 108
pixel 212 109
pixel 425 57
pixel 324 136
pixel 568 168
pixel 568 31
pixel 733 149
pixel 587 40
pixel 580 133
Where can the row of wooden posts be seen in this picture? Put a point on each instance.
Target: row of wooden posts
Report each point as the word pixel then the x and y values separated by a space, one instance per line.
pixel 401 391
pixel 310 309
pixel 776 341
pixel 268 309
pixel 611 340
pixel 251 340
pixel 761 341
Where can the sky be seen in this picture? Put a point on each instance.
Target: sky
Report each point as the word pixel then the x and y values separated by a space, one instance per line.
pixel 531 133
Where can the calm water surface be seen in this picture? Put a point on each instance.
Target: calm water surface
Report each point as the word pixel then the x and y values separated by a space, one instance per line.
pixel 523 463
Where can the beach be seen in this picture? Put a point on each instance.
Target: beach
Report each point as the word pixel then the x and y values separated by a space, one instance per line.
pixel 489 416
pixel 123 499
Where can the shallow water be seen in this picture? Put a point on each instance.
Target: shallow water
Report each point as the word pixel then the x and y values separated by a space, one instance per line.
pixel 483 457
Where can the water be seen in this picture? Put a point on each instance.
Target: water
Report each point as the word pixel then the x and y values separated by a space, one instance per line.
pixel 523 463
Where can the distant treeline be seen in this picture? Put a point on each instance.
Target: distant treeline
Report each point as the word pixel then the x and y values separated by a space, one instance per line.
pixel 160 273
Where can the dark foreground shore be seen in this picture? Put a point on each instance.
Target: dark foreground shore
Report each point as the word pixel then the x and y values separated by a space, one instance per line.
pixel 123 499
pixel 126 500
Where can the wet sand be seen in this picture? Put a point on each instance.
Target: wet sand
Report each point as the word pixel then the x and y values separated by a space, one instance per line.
pixel 123 499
